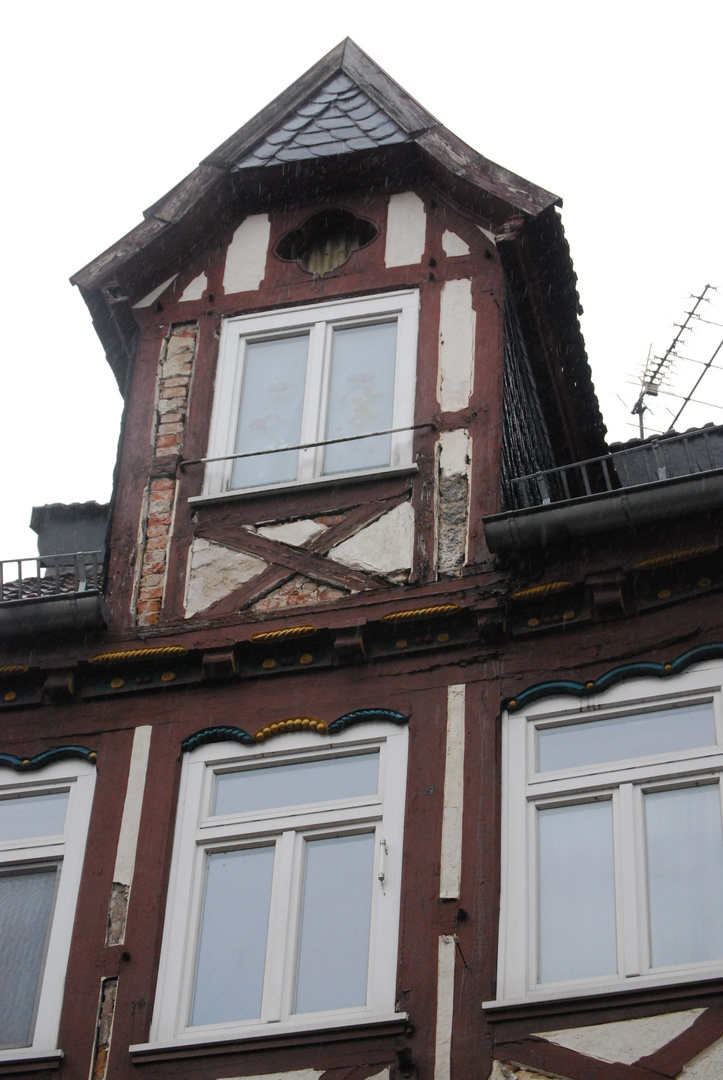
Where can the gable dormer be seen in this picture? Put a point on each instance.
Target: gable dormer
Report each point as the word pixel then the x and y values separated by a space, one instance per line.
pixel 333 339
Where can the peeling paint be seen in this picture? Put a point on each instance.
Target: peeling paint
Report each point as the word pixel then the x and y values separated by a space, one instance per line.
pixel 406 230
pixel 246 255
pixel 457 325
pixel 384 547
pixel 453 244
pixel 501 1071
pixel 104 1028
pixel 624 1041
pixel 196 288
pixel 455 452
pixel 125 859
pixel 117 913
pixel 214 571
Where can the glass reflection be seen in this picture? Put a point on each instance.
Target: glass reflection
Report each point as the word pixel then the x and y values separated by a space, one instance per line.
pixel 33 815
pixel 296 783
pixel 577 892
pixel 232 944
pixel 593 742
pixel 361 396
pixel 272 400
pixel 335 918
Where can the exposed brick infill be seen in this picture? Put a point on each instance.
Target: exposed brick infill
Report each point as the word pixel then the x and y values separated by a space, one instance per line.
pixel 175 370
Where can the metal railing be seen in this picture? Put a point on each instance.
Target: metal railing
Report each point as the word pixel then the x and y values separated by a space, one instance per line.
pixel 655 460
pixel 45 576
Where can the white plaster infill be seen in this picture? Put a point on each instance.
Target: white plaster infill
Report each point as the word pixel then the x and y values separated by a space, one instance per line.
pixel 445 1008
pixel 151 296
pixel 454 452
pixel 195 289
pixel 125 860
pixel 384 547
pixel 406 230
pixel 457 326
pixel 490 235
pixel 626 1041
pixel 214 571
pixel 295 533
pixel 708 1065
pixel 246 255
pixel 450 871
pixel 453 244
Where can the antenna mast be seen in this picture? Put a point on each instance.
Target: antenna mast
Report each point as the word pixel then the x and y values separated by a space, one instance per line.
pixel 658 367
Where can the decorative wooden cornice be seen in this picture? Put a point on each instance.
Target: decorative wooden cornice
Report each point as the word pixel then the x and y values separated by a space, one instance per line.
pixel 291 724
pixel 164 652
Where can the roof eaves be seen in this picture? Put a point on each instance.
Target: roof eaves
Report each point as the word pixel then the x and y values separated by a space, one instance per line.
pixel 462 161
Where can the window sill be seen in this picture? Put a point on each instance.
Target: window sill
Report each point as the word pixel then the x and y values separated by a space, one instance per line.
pixel 278 1037
pixel 307 485
pixel 643 982
pixel 29 1059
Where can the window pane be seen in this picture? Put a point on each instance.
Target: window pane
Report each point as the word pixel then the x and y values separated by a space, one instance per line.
pixel 232 943
pixel 336 910
pixel 272 400
pixel 685 874
pixel 685 727
pixel 33 815
pixel 298 783
pixel 577 892
pixel 361 396
pixel 26 900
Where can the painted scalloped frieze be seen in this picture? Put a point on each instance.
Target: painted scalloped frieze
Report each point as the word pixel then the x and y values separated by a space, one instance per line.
pixel 290 724
pixel 642 669
pixel 47 757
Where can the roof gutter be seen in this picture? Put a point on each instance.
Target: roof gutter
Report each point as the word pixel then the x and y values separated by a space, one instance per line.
pixel 78 613
pixel 545 526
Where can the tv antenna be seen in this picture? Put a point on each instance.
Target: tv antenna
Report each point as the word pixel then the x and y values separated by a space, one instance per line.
pixel 657 370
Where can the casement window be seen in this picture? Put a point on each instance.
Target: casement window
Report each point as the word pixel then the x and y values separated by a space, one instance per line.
pixel 612 833
pixel 43 829
pixel 284 895
pixel 306 375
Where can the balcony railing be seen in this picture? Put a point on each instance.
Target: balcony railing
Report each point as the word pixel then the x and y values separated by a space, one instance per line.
pixel 655 460
pixel 45 576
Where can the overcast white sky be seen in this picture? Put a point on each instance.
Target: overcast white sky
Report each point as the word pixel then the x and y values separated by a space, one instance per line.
pixel 614 106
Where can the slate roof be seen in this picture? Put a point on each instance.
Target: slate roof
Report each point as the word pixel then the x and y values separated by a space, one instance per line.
pixel 337 119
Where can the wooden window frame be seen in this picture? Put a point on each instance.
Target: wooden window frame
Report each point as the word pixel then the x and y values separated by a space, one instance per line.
pixel 67 851
pixel 318 320
pixel 198 833
pixel 524 791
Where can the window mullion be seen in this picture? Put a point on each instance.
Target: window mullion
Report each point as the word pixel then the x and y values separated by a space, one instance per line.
pixel 311 426
pixel 325 357
pixel 627 880
pixel 279 919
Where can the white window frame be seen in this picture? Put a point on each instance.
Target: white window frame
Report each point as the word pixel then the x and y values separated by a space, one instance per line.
pixel 197 833
pixel 68 851
pixel 319 320
pixel 624 782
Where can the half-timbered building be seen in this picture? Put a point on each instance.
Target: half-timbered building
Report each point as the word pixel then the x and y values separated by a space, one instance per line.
pixel 382 735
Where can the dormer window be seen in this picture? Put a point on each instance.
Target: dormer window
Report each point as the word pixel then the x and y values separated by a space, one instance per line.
pixel 296 388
